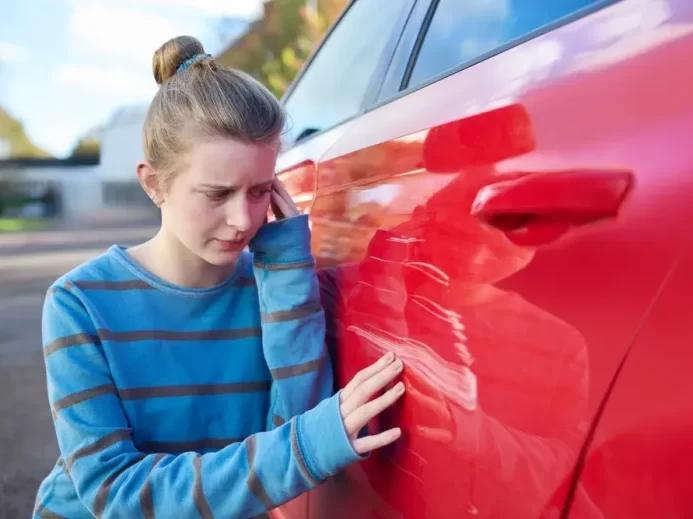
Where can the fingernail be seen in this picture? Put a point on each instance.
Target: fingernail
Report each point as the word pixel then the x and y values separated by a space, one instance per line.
pixel 389 356
pixel 398 365
pixel 399 388
pixel 396 433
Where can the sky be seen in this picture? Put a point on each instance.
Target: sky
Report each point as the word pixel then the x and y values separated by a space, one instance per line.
pixel 67 65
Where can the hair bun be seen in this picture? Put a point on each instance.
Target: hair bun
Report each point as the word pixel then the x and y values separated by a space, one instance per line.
pixel 172 54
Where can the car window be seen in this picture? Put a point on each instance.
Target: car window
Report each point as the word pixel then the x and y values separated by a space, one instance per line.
pixel 333 86
pixel 462 30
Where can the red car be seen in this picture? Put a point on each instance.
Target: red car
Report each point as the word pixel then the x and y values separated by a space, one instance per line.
pixel 501 192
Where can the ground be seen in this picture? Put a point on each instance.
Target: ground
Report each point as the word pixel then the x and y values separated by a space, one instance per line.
pixel 29 262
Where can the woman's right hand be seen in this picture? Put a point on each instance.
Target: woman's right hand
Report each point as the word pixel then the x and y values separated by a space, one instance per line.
pixel 358 409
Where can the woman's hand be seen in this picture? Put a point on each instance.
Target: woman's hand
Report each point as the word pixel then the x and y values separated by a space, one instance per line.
pixel 281 202
pixel 358 409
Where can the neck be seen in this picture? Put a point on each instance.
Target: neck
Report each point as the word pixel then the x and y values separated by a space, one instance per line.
pixel 167 258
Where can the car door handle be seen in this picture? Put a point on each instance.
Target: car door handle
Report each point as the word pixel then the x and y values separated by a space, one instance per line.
pixel 553 200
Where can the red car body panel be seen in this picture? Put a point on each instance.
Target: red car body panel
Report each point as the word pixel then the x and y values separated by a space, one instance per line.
pixel 518 233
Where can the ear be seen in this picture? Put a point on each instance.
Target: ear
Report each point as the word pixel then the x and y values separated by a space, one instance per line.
pixel 149 180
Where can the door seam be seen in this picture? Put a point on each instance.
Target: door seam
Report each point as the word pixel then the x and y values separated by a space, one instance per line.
pixel 584 450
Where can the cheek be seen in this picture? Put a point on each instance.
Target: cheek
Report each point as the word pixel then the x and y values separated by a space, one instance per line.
pixel 196 213
pixel 259 212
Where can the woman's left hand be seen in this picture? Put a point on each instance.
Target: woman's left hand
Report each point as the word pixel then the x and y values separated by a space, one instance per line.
pixel 281 202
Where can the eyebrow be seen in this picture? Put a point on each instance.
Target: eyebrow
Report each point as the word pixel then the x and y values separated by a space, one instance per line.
pixel 226 187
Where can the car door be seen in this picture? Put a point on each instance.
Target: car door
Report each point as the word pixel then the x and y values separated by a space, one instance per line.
pixel 636 462
pixel 329 94
pixel 502 219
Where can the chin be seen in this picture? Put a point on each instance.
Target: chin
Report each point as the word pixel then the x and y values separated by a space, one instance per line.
pixel 221 258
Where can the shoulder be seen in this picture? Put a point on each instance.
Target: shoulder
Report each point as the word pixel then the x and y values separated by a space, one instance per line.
pixel 105 268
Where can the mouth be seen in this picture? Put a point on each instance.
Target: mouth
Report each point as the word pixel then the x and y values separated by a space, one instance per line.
pixel 231 245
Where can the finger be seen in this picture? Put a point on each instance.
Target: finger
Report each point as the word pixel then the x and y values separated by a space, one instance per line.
pixel 355 421
pixel 366 390
pixel 279 188
pixel 371 443
pixel 279 206
pixel 367 373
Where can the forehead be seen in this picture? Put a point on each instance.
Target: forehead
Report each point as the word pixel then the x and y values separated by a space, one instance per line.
pixel 229 162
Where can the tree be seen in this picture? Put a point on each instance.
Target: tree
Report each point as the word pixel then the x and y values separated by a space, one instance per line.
pixel 12 132
pixel 87 147
pixel 274 48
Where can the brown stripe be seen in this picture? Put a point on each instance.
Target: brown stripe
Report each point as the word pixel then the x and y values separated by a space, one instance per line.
pixel 59 289
pixel 245 282
pixel 286 266
pixel 188 446
pixel 198 492
pixel 291 315
pixel 139 393
pixel 298 455
pixel 44 513
pixel 170 335
pixel 277 420
pixel 146 498
pixel 132 284
pixel 60 463
pixel 254 483
pixel 101 499
pixel 81 396
pixel 298 369
pixel 101 444
pixel 71 340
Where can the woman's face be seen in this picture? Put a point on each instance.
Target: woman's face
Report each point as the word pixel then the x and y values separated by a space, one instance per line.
pixel 220 199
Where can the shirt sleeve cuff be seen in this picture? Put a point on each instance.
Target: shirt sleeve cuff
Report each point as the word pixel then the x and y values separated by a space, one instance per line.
pixel 282 241
pixel 323 440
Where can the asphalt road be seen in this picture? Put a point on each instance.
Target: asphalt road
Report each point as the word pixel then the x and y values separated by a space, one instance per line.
pixel 29 263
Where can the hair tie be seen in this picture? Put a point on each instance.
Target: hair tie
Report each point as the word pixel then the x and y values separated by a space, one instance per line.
pixel 190 61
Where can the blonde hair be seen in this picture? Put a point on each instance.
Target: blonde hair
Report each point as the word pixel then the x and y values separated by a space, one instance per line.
pixel 198 97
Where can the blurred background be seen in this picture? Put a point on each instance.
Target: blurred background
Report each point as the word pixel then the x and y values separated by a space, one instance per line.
pixel 75 83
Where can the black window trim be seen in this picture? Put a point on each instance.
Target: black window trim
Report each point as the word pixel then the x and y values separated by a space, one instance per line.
pixel 544 29
pixel 391 83
pixel 375 84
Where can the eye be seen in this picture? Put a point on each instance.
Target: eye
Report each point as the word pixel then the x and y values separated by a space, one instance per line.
pixel 259 192
pixel 216 196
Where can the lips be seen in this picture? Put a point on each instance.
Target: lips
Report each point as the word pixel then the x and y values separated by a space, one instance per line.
pixel 231 244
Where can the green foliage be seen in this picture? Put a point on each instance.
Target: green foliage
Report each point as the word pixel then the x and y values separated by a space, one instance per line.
pixel 274 48
pixel 87 147
pixel 21 146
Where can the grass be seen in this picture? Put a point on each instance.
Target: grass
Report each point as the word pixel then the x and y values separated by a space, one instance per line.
pixel 20 224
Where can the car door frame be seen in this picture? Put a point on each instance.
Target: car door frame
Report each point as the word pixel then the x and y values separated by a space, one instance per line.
pixel 374 87
pixel 396 82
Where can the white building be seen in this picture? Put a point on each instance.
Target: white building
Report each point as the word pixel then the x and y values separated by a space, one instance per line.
pixel 75 182
pixel 121 148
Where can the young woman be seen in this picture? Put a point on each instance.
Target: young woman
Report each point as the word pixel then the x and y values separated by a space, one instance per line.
pixel 188 377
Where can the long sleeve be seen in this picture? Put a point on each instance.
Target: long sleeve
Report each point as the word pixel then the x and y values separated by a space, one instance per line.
pixel 113 479
pixel 293 320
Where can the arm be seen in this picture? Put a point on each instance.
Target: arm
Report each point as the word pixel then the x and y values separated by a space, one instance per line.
pixel 114 479
pixel 293 321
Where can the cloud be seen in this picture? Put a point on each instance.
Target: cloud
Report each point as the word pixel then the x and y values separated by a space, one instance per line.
pixel 9 52
pixel 248 9
pixel 121 32
pixel 118 83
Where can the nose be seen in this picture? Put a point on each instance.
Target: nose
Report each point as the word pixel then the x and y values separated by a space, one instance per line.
pixel 238 214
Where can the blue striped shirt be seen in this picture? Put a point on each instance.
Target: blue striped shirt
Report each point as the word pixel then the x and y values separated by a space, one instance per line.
pixel 190 402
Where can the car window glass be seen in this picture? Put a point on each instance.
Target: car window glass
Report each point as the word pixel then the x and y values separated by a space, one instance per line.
pixel 332 88
pixel 462 30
